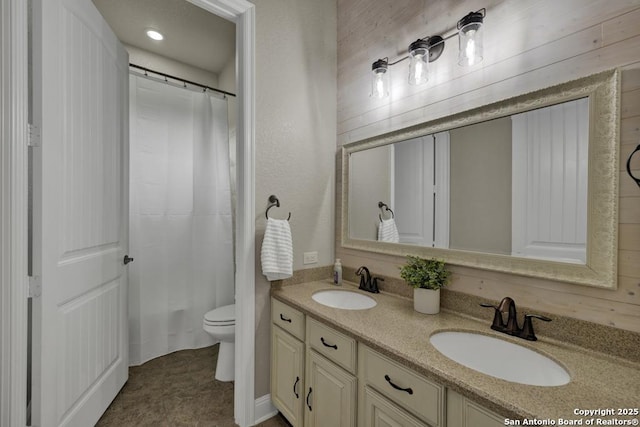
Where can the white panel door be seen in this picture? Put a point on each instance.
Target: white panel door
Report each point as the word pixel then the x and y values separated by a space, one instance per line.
pixel 413 190
pixel 81 106
pixel 549 183
pixel 421 190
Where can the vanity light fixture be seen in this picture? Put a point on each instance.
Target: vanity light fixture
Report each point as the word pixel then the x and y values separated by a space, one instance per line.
pixel 428 49
pixel 154 34
pixel 380 78
pixel 470 38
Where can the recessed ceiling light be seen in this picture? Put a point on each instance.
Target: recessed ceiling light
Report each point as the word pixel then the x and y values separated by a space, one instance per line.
pixel 155 35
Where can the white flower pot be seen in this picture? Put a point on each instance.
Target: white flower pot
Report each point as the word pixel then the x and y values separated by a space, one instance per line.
pixel 426 300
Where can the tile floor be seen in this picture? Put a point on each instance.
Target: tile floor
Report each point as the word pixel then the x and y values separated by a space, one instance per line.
pixel 176 390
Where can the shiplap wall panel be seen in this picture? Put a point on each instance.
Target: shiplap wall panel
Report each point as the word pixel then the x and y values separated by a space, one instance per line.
pixel 571 45
pixel 530 14
pixel 624 53
pixel 628 187
pixel 528 45
pixel 574 36
pixel 443 86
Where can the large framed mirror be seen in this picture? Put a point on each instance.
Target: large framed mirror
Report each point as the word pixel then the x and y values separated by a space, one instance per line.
pixel 528 186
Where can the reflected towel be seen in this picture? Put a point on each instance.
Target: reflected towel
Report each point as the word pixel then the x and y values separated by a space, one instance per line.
pixel 277 250
pixel 387 231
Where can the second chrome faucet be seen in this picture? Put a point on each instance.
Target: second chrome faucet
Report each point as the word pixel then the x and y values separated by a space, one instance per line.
pixel 508 305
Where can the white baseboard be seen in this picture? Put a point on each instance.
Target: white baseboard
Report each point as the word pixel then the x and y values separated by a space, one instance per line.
pixel 264 409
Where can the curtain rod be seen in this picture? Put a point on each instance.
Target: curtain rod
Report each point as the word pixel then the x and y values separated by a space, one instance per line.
pixel 148 70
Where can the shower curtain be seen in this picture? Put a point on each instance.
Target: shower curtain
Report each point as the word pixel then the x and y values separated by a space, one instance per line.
pixel 180 217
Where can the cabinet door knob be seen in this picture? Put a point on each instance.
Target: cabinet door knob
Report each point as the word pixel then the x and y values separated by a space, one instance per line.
pixel 127 259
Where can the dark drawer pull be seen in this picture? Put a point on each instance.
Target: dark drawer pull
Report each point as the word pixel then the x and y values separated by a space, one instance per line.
pixel 334 346
pixel 309 395
pixel 294 387
pixel 408 389
pixel 284 318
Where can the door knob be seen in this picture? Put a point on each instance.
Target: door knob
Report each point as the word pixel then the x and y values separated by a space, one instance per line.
pixel 127 259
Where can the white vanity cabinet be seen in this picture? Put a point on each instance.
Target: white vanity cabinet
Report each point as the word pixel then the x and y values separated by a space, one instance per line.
pixel 331 385
pixel 287 361
pixel 313 383
pixel 462 412
pixel 323 378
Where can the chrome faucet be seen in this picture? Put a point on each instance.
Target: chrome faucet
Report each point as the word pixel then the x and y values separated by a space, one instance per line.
pixel 366 284
pixel 508 305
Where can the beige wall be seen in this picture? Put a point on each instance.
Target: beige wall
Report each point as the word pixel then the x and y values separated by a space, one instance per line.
pixel 480 187
pixel 529 44
pixel 295 138
pixel 166 65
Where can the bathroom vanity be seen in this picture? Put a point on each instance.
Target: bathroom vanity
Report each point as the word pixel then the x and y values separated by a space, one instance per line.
pixel 337 367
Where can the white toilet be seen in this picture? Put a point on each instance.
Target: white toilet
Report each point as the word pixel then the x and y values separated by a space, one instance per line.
pixel 221 325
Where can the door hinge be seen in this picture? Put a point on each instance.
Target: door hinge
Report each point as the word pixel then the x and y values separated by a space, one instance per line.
pixel 35 286
pixel 34 135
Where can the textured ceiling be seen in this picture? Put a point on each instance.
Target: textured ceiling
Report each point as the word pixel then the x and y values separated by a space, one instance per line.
pixel 192 35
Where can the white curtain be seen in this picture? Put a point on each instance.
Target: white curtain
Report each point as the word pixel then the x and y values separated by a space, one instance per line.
pixel 180 221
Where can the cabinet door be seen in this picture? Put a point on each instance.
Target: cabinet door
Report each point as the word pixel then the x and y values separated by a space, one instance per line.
pixel 380 412
pixel 462 412
pixel 330 394
pixel 287 369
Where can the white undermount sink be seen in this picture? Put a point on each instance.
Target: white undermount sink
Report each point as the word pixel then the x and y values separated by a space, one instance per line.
pixel 500 358
pixel 346 300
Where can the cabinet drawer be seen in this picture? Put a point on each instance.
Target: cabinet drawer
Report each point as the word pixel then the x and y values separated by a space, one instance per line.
pixel 288 318
pixel 402 386
pixel 332 344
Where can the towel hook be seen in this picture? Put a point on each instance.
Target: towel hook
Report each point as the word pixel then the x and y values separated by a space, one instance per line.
pixel 384 205
pixel 273 201
pixel 637 180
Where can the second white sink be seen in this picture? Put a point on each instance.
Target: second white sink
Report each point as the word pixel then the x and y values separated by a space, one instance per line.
pixel 500 358
pixel 346 300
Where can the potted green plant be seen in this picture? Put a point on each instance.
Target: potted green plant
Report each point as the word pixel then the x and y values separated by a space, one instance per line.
pixel 426 276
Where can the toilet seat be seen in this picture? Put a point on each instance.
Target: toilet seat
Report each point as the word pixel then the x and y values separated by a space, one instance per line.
pixel 221 316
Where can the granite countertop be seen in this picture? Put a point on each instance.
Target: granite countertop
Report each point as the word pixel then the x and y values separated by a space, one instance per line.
pixel 393 328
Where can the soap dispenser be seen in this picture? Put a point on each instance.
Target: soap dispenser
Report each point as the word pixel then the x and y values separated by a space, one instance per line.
pixel 337 273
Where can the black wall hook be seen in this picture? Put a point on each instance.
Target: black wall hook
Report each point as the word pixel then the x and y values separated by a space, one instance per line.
pixel 637 180
pixel 273 201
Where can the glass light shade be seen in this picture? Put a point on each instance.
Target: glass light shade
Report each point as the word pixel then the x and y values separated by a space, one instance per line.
pixel 418 66
pixel 379 81
pixel 470 44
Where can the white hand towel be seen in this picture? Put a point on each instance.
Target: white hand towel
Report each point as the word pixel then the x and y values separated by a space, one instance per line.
pixel 387 231
pixel 277 250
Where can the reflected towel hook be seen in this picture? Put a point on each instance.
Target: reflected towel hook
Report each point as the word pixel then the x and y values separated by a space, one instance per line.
pixel 637 180
pixel 384 205
pixel 273 201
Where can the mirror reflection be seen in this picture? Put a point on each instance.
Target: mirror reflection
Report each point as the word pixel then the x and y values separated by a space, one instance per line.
pixel 515 185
